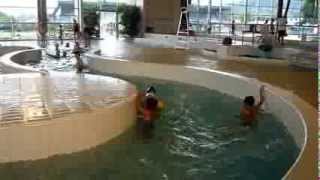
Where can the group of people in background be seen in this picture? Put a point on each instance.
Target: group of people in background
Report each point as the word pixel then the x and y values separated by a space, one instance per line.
pixel 77 36
pixel 271 29
pixel 277 29
pixel 77 33
pixel 77 50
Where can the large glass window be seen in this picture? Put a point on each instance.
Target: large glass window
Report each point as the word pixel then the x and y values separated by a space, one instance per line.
pixel 246 12
pixel 199 15
pixel 18 19
pixel 62 11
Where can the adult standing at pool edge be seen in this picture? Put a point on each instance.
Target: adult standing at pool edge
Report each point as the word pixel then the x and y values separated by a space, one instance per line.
pixel 61 34
pixel 282 29
pixel 77 52
pixel 76 30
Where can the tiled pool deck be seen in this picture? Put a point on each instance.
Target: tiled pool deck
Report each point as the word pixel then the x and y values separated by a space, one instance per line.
pixel 26 98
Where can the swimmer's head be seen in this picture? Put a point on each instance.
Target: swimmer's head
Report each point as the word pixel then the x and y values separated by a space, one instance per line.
pixel 249 101
pixel 151 89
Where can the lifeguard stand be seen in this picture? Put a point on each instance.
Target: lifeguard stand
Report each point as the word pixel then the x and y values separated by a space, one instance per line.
pixel 184 30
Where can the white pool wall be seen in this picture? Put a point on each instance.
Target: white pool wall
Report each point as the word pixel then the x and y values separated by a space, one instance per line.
pixel 13 62
pixel 64 135
pixel 23 141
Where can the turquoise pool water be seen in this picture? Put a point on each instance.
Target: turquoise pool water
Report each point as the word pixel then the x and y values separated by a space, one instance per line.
pixel 197 137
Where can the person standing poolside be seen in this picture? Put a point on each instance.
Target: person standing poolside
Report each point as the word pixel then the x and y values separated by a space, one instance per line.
pixel 77 52
pixel 282 29
pixel 76 30
pixel 61 34
pixel 86 35
pixel 57 49
pixel 209 29
pixel 272 26
pixel 264 30
pixel 233 27
pixel 249 110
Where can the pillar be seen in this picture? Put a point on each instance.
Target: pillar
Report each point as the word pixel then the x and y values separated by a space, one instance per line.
pixel 42 25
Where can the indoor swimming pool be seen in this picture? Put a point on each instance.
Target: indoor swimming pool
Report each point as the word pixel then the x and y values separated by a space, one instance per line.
pixel 198 136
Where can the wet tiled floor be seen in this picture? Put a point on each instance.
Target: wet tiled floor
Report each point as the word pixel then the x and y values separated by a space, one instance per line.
pixel 34 97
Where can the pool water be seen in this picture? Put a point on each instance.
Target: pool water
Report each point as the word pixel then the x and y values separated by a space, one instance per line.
pixel 197 137
pixel 63 64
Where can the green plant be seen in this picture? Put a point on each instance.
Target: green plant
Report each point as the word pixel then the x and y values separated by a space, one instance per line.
pixel 310 11
pixel 130 19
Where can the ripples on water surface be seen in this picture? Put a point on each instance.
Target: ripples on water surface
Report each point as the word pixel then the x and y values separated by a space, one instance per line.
pixel 61 64
pixel 198 137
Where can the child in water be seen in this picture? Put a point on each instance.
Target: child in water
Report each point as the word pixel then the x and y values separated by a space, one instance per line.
pixel 149 106
pixel 249 110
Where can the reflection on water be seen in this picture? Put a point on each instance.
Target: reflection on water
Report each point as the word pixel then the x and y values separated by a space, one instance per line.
pixel 198 136
pixel 65 64
pixel 34 97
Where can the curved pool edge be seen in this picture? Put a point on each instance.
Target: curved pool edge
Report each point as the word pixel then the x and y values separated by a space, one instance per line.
pixel 201 77
pixel 13 61
pixel 66 129
pixel 66 134
pixel 298 169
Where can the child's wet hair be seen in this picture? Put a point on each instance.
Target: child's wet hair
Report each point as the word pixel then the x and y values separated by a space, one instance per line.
pixel 249 100
pixel 151 89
